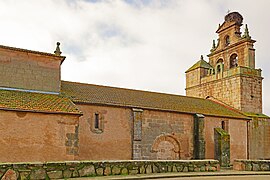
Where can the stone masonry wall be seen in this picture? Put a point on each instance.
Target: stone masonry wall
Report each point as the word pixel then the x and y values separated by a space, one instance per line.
pixel 27 136
pixel 193 78
pixel 226 90
pixel 75 169
pixel 259 137
pixel 251 165
pixel 238 136
pixel 251 94
pixel 241 92
pixel 25 70
pixel 137 134
pixel 166 135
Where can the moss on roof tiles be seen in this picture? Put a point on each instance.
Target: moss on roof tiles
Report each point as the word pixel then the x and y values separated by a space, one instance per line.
pixel 36 102
pixel 104 95
pixel 201 63
pixel 258 115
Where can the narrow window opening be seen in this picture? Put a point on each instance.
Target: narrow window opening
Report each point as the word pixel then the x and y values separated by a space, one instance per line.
pixel 227 40
pixel 218 69
pixel 223 125
pixel 96 121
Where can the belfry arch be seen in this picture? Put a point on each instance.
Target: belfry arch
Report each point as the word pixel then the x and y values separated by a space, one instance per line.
pixel 233 60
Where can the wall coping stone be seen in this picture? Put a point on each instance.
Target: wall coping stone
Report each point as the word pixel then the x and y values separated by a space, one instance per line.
pixel 75 169
pixel 251 165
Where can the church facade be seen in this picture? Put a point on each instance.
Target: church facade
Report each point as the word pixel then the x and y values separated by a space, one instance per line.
pixel 46 119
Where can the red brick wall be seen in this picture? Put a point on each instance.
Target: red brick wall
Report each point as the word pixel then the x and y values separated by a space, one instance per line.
pixel 29 71
pixel 238 137
pixel 113 141
pixel 30 137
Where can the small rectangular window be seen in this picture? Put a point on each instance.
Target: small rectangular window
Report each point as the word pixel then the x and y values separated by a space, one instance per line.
pixel 96 121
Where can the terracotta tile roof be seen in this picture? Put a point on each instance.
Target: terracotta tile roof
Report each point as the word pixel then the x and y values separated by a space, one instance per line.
pixel 36 102
pixel 103 95
pixel 201 63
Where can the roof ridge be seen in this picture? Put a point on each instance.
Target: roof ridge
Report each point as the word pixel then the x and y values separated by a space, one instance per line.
pixel 137 90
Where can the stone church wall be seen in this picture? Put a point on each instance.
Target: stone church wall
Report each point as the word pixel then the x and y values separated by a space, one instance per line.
pixel 31 137
pixel 112 140
pixel 167 135
pixel 25 70
pixel 127 133
pixel 251 91
pixel 159 130
pixel 238 136
pixel 225 90
pixel 259 135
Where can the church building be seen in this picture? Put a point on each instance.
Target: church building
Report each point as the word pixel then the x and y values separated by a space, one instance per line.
pixel 46 119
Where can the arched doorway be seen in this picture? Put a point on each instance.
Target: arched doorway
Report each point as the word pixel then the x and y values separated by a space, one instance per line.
pixel 166 147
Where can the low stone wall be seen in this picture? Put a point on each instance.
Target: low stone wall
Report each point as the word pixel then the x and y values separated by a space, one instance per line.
pixel 251 165
pixel 70 169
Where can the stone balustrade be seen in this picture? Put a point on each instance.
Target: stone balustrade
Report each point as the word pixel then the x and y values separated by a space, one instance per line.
pixel 251 165
pixel 72 169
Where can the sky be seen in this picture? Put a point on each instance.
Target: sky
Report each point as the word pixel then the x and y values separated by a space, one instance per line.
pixel 137 44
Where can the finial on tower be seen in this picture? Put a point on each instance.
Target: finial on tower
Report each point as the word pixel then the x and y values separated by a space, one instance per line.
pixel 57 50
pixel 214 44
pixel 246 33
pixel 201 57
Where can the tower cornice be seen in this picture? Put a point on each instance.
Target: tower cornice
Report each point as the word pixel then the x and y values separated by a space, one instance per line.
pixel 243 40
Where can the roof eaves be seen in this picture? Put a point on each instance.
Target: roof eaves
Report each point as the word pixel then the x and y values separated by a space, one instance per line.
pixel 214 100
pixel 258 115
pixel 40 111
pixel 161 109
pixel 199 64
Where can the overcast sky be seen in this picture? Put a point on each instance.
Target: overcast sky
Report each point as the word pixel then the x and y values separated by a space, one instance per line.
pixel 138 44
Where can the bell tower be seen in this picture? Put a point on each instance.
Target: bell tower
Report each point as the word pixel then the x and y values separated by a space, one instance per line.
pixel 230 75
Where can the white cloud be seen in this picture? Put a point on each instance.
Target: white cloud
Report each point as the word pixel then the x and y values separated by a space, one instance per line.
pixel 141 44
